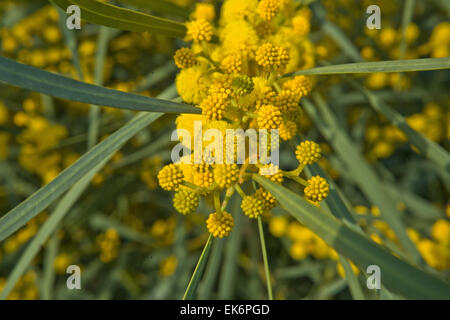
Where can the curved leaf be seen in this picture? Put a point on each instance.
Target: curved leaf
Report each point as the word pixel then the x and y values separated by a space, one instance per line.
pixel 379 66
pixel 396 275
pixel 56 85
pixel 43 197
pixel 159 6
pixel 124 19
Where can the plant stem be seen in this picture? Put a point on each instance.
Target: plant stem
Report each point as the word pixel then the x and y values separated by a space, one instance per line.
pixel 297 179
pixel 217 204
pixel 195 279
pixel 239 190
pixel 266 263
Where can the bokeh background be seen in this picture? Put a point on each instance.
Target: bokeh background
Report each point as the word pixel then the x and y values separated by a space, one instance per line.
pixel 123 231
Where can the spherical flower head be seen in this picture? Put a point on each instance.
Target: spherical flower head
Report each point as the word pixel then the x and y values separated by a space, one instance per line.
pixel 299 85
pixel 301 25
pixel 308 152
pixel 253 206
pixel 226 175
pixel 186 201
pixel 199 30
pixel 239 36
pixel 221 86
pixel 243 85
pixel 213 107
pixel 288 129
pixel 271 56
pixel 204 11
pixel 185 58
pixel 202 175
pixel 192 84
pixel 170 177
pixel 317 189
pixel 269 117
pixel 232 64
pixel 268 9
pixel 287 100
pixel 271 172
pixel 269 200
pixel 220 225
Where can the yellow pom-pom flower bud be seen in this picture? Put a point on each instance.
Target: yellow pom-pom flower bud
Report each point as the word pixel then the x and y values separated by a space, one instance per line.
pixel 186 201
pixel 317 189
pixel 170 177
pixel 213 107
pixel 268 9
pixel 288 129
pixel 185 58
pixel 287 100
pixel 269 117
pixel 308 152
pixel 199 30
pixel 253 206
pixel 220 225
pixel 226 175
pixel 300 86
pixel 232 64
pixel 268 198
pixel 269 55
pixel 202 176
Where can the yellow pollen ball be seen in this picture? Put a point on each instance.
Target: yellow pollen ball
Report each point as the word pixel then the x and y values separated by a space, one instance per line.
pixel 186 201
pixel 268 9
pixel 185 58
pixel 269 55
pixel 220 225
pixel 269 117
pixel 199 30
pixel 170 177
pixel 253 206
pixel 317 189
pixel 213 107
pixel 226 175
pixel 308 152
pixel 300 85
pixel 288 129
pixel 232 64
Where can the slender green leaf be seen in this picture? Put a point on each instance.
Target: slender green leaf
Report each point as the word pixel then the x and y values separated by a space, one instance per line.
pixel 48 278
pixel 228 275
pixel 379 66
pixel 428 148
pixel 397 275
pixel 94 110
pixel 42 198
pixel 198 272
pixel 159 6
pixel 55 85
pixel 212 270
pixel 266 261
pixel 339 36
pixel 48 228
pixel 125 19
pixel 361 172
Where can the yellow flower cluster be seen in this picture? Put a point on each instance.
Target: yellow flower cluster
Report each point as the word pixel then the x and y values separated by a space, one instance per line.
pixel 233 73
